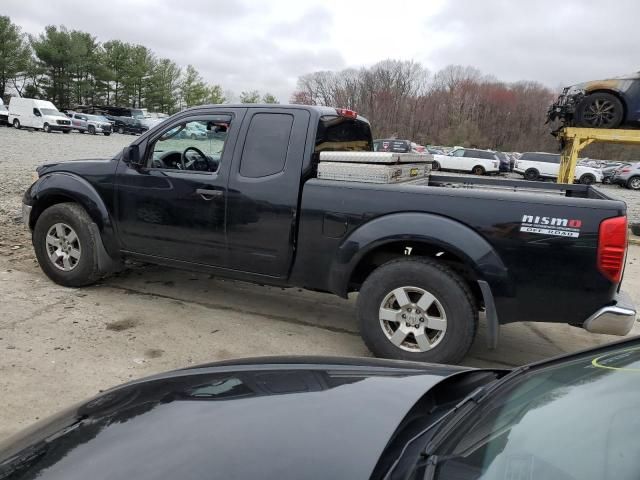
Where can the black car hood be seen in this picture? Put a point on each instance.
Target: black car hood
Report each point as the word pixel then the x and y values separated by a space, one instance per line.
pixel 299 420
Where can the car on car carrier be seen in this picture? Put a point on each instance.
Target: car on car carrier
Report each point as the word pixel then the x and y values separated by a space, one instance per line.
pixel 425 259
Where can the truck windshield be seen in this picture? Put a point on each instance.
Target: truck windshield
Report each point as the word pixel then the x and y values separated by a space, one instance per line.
pixel 573 420
pixel 52 112
pixel 336 133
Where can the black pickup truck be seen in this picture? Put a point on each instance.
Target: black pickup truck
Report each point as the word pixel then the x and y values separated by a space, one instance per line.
pixel 232 190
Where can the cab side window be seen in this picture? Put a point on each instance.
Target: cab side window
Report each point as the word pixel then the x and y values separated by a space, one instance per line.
pixel 266 145
pixel 193 145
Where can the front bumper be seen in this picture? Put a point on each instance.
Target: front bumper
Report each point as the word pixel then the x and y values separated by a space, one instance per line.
pixel 616 319
pixel 565 106
pixel 26 214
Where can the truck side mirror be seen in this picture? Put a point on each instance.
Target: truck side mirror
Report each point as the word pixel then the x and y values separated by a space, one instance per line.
pixel 131 155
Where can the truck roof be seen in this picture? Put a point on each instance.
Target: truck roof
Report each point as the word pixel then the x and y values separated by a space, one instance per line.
pixel 320 110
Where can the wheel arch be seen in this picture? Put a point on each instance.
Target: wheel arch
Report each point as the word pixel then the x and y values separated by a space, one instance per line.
pixel 61 187
pixel 421 234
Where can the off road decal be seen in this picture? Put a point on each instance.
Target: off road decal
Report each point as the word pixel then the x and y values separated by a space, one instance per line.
pixel 559 227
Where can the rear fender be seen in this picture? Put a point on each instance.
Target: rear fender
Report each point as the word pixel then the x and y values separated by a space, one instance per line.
pixel 58 187
pixel 425 228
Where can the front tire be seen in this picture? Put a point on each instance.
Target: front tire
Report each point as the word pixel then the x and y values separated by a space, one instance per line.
pixel 46 128
pixel 600 110
pixel 65 245
pixel 532 174
pixel 92 130
pixel 634 183
pixel 587 179
pixel 16 123
pixel 417 309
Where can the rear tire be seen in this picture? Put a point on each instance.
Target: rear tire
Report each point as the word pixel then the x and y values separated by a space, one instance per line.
pixel 634 183
pixel 478 170
pixel 435 166
pixel 55 233
pixel 587 179
pixel 531 174
pixel 600 110
pixel 442 333
pixel 92 130
pixel 106 134
pixel 16 123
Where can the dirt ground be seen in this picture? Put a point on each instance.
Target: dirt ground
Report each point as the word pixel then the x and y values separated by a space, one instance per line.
pixel 61 345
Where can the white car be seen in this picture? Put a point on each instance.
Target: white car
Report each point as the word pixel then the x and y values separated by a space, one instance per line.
pixel 40 114
pixel 537 165
pixel 478 162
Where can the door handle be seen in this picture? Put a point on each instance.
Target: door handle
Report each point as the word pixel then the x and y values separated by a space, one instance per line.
pixel 208 194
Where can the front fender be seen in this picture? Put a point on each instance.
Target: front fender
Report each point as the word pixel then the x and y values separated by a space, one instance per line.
pixel 426 228
pixel 57 187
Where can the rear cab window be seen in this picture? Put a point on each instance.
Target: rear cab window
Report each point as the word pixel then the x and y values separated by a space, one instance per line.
pixel 336 133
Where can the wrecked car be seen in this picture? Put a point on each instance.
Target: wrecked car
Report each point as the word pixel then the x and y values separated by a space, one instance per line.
pixel 607 103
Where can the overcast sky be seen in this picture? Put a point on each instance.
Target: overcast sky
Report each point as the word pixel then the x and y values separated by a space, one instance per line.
pixel 246 45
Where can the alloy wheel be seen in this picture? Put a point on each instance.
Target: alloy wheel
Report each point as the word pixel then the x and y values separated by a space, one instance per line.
pixel 600 113
pixel 412 319
pixel 63 247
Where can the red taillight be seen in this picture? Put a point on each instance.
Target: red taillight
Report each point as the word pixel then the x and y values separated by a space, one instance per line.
pixel 344 112
pixel 612 246
pixel 625 170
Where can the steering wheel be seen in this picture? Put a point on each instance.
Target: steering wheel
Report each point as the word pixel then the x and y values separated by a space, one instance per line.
pixel 183 157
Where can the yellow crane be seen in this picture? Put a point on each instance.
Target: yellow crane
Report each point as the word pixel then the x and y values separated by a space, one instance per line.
pixel 574 139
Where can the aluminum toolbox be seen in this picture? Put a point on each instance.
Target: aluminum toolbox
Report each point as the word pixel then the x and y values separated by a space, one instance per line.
pixel 375 157
pixel 376 173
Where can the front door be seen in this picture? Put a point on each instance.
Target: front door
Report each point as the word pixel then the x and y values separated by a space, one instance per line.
pixel 173 207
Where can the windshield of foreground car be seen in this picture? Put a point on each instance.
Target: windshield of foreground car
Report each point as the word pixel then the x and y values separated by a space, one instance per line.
pixel 577 420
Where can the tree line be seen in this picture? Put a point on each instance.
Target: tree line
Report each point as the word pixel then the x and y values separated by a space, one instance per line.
pixel 71 67
pixel 455 106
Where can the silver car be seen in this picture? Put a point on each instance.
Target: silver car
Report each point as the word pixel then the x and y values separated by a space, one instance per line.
pixel 628 176
pixel 83 122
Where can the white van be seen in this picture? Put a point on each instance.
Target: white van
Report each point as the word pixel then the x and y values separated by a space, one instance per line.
pixel 536 165
pixel 478 162
pixel 40 114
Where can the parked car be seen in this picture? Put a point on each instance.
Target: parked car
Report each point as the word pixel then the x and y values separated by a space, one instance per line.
pixel 572 417
pixel 537 165
pixel 415 148
pixel 4 114
pixel 478 162
pixel 392 145
pixel 609 103
pixel 127 125
pixel 38 114
pixel 194 132
pixel 112 110
pixel 628 176
pixel 84 122
pixel 609 171
pixel 424 259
